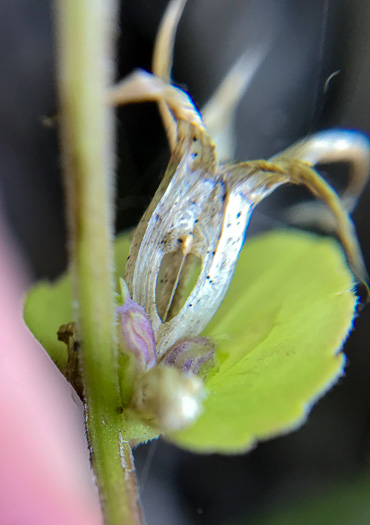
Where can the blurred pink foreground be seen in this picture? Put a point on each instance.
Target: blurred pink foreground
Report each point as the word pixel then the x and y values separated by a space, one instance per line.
pixel 45 478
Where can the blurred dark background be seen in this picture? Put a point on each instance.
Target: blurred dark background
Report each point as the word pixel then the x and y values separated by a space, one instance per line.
pixel 308 41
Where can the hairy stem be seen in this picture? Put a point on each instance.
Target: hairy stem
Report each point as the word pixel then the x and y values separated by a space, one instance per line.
pixel 85 36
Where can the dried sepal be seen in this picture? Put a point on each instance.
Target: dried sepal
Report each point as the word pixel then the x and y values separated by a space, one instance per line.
pixel 220 111
pixel 258 179
pixel 336 145
pixel 162 61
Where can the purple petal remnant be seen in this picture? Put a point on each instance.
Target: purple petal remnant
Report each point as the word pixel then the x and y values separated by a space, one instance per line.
pixel 137 333
pixel 190 354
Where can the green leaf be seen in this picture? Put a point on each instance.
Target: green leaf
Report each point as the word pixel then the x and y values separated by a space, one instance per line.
pixel 47 307
pixel 278 335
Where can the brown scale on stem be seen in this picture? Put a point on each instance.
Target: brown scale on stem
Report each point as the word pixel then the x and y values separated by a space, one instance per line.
pixel 67 334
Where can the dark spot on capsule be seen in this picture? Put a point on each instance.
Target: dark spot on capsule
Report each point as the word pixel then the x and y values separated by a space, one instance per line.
pixel 213 253
pixel 119 410
pixel 238 215
pixel 193 202
pixel 196 220
pixel 191 304
pixel 128 257
pixel 195 138
pixel 208 276
pixel 180 240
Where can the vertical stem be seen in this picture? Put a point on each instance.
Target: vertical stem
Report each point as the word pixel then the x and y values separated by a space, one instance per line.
pixel 85 36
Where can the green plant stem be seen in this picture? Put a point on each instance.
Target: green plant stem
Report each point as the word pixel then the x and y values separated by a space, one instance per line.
pixel 85 36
